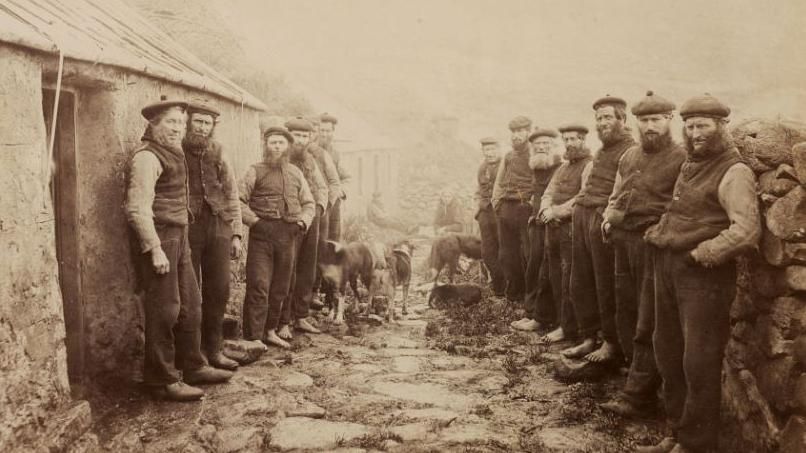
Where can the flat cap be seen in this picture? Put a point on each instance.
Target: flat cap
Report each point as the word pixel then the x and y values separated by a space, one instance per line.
pixel 278 130
pixel 151 110
pixel 519 122
pixel 543 133
pixel 488 141
pixel 202 107
pixel 652 104
pixel 573 127
pixel 328 118
pixel 609 100
pixel 705 105
pixel 299 124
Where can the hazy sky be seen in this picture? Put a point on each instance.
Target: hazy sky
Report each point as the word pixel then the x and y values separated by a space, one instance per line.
pixel 486 61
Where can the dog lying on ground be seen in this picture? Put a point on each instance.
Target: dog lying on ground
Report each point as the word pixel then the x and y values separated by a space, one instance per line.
pixel 465 294
pixel 446 250
pixel 343 264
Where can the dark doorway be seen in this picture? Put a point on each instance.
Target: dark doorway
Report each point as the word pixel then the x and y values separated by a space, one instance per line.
pixel 64 193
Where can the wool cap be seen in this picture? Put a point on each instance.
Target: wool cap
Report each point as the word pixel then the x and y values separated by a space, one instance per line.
pixel 705 105
pixel 609 100
pixel 573 127
pixel 299 124
pixel 278 130
pixel 328 118
pixel 519 122
pixel 652 104
pixel 488 141
pixel 151 110
pixel 202 107
pixel 543 133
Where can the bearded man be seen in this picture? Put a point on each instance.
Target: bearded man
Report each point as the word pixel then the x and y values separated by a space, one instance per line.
pixel 556 208
pixel 304 277
pixel 543 160
pixel 512 194
pixel 278 207
pixel 642 192
pixel 485 215
pixel 592 267
pixel 157 210
pixel 215 234
pixel 712 218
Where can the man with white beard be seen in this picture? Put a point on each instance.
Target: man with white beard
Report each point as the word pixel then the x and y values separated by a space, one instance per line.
pixel 543 161
pixel 278 207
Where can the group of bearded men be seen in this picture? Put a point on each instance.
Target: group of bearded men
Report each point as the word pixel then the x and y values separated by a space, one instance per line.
pixel 627 254
pixel 187 214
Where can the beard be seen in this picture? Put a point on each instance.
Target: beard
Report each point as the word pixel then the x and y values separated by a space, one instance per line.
pixel 296 152
pixel 611 135
pixel 716 143
pixel 196 142
pixel 574 153
pixel 542 161
pixel 652 141
pixel 273 159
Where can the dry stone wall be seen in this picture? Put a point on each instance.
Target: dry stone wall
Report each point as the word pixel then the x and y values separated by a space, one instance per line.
pixel 764 388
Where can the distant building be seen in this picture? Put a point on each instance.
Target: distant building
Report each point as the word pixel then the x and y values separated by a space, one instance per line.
pixel 69 309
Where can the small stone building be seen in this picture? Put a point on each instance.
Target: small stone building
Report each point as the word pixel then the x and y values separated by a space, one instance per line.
pixel 74 76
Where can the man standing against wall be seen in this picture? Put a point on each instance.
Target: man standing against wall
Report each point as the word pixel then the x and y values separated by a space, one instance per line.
pixel 511 198
pixel 157 209
pixel 712 218
pixel 485 215
pixel 543 160
pixel 556 208
pixel 592 268
pixel 215 234
pixel 641 194
pixel 278 207
pixel 304 277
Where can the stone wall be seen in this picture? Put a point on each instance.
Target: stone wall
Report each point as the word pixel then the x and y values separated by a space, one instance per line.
pixel 764 384
pixel 33 366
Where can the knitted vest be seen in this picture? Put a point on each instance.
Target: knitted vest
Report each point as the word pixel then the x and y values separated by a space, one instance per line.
pixel 276 193
pixel 603 173
pixel 209 181
pixel 486 179
pixel 569 180
pixel 516 181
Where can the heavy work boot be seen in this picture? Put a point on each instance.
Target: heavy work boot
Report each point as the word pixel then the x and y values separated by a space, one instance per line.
pixel 178 391
pixel 206 375
pixel 214 355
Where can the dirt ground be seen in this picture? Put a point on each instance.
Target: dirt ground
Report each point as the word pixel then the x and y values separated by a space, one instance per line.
pixel 437 381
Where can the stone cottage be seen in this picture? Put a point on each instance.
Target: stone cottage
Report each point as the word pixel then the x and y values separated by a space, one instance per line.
pixel 74 76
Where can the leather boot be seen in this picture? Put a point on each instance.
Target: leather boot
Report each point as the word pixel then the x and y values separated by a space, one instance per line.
pixel 207 375
pixel 178 391
pixel 219 360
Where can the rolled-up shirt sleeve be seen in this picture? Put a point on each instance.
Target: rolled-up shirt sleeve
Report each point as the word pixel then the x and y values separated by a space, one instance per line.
pixel 737 196
pixel 248 216
pixel 144 171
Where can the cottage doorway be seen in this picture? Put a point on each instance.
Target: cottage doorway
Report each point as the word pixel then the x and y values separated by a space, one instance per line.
pixel 64 193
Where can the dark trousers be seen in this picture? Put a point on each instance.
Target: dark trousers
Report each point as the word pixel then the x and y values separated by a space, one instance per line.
pixel 635 313
pixel 324 232
pixel 334 229
pixel 592 275
pixel 489 248
pixel 210 243
pixel 539 300
pixel 692 325
pixel 269 266
pixel 557 271
pixel 513 244
pixel 172 306
pixel 304 275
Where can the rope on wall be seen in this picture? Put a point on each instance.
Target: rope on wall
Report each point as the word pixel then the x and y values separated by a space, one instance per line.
pixel 47 170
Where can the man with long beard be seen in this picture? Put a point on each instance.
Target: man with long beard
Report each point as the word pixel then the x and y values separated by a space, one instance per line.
pixel 157 210
pixel 485 215
pixel 556 207
pixel 327 129
pixel 215 234
pixel 641 194
pixel 304 277
pixel 278 207
pixel 712 218
pixel 592 279
pixel 543 160
pixel 512 193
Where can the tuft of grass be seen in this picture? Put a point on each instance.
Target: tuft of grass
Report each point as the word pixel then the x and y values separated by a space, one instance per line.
pixel 535 355
pixel 376 440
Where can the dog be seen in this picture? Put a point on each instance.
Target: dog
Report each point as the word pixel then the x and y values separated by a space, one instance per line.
pixel 343 264
pixel 465 293
pixel 446 250
pixel 399 265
